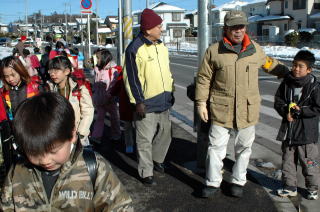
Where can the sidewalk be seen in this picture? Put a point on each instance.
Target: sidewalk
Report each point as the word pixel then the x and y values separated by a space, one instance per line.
pixel 178 189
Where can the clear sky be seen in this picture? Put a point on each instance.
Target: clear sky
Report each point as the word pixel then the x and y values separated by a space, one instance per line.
pixel 11 10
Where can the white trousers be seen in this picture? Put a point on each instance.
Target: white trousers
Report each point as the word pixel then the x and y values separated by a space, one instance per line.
pixel 217 149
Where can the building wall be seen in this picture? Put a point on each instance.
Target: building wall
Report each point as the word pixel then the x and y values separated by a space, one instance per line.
pixel 258 8
pixel 300 15
pixel 275 7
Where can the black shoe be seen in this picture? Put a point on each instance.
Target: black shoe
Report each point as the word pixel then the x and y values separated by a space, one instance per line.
pixel 159 167
pixel 236 190
pixel 208 191
pixel 148 181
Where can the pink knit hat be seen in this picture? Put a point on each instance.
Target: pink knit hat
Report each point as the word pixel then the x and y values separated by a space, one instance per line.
pixel 149 19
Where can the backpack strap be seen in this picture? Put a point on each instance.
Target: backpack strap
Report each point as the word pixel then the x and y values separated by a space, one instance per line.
pixel 91 162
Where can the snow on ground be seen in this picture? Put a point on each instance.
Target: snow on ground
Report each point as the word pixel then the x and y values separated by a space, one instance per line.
pixel 279 52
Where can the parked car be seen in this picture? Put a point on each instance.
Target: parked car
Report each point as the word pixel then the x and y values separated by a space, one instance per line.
pixel 29 42
pixel 5 41
pixel 14 42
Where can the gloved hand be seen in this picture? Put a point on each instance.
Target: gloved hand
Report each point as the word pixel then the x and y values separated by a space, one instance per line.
pixel 202 111
pixel 141 110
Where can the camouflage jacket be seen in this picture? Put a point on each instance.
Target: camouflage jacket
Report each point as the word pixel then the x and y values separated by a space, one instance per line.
pixel 73 190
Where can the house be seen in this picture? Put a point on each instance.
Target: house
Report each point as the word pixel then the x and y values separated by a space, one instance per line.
pixel 4 28
pixel 254 11
pixel 285 15
pixel 174 24
pixel 218 14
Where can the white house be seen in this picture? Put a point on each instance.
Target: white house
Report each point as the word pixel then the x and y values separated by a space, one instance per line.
pixel 255 10
pixel 4 28
pixel 174 24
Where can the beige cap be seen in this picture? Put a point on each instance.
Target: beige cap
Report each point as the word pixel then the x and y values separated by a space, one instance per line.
pixel 235 17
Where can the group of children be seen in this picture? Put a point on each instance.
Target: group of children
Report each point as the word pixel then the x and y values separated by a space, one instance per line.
pixel 51 123
pixel 51 128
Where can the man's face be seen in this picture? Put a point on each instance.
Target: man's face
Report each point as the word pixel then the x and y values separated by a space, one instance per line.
pixel 155 33
pixel 235 33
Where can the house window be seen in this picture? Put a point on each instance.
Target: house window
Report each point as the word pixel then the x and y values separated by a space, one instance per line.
pixel 285 27
pixel 176 17
pixel 216 15
pixel 177 33
pixel 299 4
pixel 316 4
pixel 286 4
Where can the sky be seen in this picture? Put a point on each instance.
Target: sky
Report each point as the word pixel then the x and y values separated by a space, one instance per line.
pixel 11 10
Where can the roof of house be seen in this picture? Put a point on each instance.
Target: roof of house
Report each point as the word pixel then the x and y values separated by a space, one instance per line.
pixel 104 30
pixel 233 5
pixel 271 18
pixel 162 7
pixel 315 16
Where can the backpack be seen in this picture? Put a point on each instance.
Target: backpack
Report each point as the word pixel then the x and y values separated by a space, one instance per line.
pixel 79 77
pixel 90 159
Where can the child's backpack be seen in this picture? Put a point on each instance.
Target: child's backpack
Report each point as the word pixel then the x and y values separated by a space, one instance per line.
pixel 79 77
pixel 91 162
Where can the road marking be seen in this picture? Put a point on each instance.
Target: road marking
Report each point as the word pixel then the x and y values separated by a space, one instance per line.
pixel 269 111
pixel 273 82
pixel 269 98
pixel 178 64
pixel 267 132
pixel 180 86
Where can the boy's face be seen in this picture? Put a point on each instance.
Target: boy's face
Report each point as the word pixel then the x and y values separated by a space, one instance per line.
pixel 54 159
pixel 300 68
pixel 59 76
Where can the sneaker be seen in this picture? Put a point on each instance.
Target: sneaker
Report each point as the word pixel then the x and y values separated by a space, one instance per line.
pixel 236 190
pixel 284 192
pixel 208 191
pixel 312 195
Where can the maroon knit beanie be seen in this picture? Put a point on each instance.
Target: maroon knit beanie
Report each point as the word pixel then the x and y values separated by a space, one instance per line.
pixel 149 19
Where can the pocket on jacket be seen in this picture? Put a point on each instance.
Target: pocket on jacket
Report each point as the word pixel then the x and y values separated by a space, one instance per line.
pixel 219 107
pixel 253 108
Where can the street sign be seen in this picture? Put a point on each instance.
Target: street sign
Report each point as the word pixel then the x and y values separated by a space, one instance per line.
pixel 86 4
pixel 86 11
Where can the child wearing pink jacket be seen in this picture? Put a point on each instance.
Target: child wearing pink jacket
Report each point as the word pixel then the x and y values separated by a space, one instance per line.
pixel 106 75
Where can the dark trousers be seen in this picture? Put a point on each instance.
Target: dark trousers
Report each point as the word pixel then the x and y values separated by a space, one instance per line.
pixel 306 154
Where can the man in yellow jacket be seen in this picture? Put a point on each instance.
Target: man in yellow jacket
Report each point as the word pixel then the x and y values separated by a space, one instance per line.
pixel 149 85
pixel 228 81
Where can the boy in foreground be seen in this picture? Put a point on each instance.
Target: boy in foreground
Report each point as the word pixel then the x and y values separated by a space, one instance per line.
pixel 53 174
pixel 298 102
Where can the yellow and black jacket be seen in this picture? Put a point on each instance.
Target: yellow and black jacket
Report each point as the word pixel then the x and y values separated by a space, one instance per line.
pixel 147 75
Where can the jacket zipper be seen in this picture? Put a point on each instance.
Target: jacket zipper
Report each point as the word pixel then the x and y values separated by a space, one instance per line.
pixel 159 67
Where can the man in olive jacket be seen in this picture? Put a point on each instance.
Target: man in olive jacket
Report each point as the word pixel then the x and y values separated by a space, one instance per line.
pixel 228 78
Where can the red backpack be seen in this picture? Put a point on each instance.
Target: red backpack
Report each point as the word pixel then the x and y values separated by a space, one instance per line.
pixel 78 76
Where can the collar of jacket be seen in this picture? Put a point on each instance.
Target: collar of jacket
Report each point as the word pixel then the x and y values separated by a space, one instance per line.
pixel 245 42
pixel 146 41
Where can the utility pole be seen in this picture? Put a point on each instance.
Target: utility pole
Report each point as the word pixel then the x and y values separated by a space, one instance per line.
pixel 147 3
pixel 97 22
pixel 41 25
pixel 127 20
pixel 120 38
pixel 66 21
pixel 204 10
pixel 88 22
pixel 26 14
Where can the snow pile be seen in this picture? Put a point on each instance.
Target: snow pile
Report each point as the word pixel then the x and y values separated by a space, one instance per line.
pixel 5 52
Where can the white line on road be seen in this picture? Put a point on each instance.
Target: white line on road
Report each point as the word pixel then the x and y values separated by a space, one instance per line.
pixel 268 98
pixel 178 64
pixel 180 86
pixel 269 111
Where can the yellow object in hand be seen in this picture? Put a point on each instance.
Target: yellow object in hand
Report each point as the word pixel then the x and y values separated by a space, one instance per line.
pixel 291 105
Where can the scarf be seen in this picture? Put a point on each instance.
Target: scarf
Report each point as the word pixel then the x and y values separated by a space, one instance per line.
pixel 298 82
